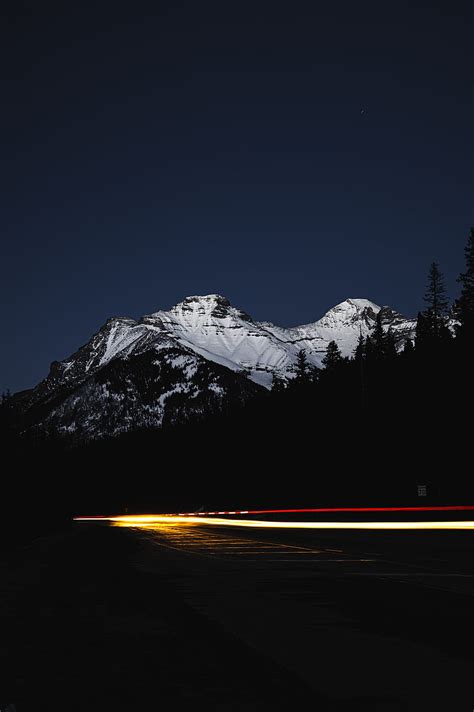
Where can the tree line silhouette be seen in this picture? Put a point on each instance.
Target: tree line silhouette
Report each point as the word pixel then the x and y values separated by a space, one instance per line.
pixel 441 329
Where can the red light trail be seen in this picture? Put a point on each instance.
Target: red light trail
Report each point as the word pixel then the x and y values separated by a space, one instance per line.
pixel 309 510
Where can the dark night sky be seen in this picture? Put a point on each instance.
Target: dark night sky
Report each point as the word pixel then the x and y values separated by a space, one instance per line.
pixel 286 155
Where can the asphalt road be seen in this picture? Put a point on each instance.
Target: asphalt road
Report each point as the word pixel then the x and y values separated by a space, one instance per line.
pixel 101 618
pixel 372 620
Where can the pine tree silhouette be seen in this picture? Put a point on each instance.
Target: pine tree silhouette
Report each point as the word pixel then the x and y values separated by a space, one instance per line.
pixel 382 342
pixel 359 351
pixel 432 323
pixel 390 344
pixel 304 372
pixel 408 348
pixel 465 304
pixel 378 337
pixel 278 383
pixel 333 357
pixel 369 348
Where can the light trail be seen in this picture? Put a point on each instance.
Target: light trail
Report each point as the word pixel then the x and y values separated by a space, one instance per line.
pixel 304 510
pixel 147 521
pixel 314 510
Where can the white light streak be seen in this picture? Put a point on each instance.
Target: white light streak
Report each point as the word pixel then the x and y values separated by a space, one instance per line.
pixel 145 520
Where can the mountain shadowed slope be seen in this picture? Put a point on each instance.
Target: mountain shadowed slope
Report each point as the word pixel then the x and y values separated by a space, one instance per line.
pixel 168 367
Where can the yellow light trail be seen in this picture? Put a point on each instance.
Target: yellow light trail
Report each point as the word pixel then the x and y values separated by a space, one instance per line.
pixel 148 520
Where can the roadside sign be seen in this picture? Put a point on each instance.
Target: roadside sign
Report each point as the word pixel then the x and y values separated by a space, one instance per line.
pixel 422 490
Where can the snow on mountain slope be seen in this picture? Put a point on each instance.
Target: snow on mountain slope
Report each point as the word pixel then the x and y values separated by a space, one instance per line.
pixel 220 332
pixel 212 328
pixel 159 386
pixel 118 338
pixel 193 356
pixel 343 324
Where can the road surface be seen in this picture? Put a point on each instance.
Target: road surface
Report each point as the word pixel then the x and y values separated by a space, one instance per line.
pixel 192 616
pixel 376 620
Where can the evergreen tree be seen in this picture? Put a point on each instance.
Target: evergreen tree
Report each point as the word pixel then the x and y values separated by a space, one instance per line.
pixel 304 372
pixel 390 344
pixel 278 383
pixel 383 342
pixel 378 337
pixel 423 330
pixel 369 348
pixel 333 357
pixel 301 366
pixel 432 323
pixel 465 303
pixel 359 352
pixel 360 356
pixel 408 348
pixel 437 301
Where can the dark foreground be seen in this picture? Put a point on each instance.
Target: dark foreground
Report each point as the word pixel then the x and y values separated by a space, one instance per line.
pixel 102 618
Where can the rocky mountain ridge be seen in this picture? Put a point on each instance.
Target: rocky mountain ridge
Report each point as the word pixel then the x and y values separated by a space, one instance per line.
pixel 194 358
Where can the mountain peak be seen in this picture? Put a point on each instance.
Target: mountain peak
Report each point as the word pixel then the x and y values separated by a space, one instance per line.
pixel 362 304
pixel 350 311
pixel 207 300
pixel 212 305
pixel 193 351
pixel 355 304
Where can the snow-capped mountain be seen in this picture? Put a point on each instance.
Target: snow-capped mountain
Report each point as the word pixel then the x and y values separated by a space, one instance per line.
pixel 210 326
pixel 193 358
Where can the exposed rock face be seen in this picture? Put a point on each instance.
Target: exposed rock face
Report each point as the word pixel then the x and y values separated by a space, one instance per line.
pixel 172 365
pixel 147 390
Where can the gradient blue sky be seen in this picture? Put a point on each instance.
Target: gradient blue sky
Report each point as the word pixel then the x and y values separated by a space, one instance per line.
pixel 286 155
